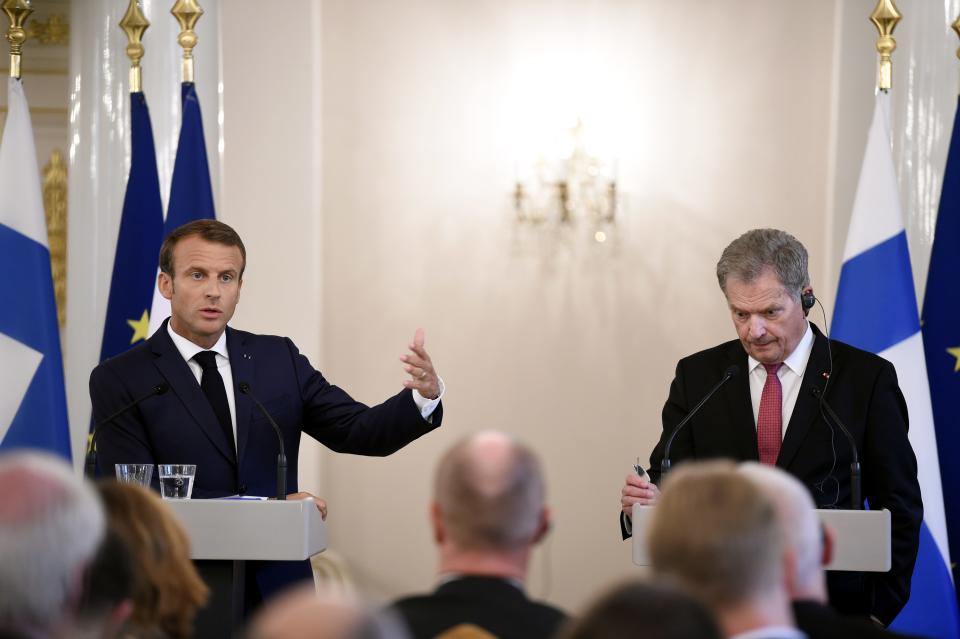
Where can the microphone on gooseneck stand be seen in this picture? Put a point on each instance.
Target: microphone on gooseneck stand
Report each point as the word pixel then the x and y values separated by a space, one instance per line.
pixel 282 456
pixel 855 502
pixel 729 374
pixel 91 463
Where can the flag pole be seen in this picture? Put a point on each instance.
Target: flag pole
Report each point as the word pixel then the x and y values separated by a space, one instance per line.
pixel 885 18
pixel 134 23
pixel 187 12
pixel 17 12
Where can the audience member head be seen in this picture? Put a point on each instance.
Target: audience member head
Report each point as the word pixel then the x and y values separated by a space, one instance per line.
pixel 809 542
pixel 305 613
pixel 650 611
pixel 718 535
pixel 167 591
pixel 108 597
pixel 51 524
pixel 489 502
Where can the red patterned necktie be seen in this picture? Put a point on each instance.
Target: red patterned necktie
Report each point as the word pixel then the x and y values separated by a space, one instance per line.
pixel 770 417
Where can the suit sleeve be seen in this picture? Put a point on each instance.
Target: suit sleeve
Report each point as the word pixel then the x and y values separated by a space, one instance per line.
pixel 890 481
pixel 673 411
pixel 123 440
pixel 345 425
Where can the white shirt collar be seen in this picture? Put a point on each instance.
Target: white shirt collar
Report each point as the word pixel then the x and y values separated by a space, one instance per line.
pixel 797 360
pixel 188 349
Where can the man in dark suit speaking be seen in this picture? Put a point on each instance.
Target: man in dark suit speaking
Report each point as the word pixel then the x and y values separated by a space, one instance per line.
pixel 211 372
pixel 771 411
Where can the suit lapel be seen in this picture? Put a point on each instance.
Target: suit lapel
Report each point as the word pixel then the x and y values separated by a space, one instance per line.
pixel 740 406
pixel 175 370
pixel 807 408
pixel 241 365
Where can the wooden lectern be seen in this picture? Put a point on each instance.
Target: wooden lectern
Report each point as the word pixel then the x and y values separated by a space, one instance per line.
pixel 862 538
pixel 225 533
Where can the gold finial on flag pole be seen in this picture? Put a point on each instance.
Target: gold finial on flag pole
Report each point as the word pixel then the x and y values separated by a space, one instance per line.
pixel 17 12
pixel 885 18
pixel 134 23
pixel 187 12
pixel 956 28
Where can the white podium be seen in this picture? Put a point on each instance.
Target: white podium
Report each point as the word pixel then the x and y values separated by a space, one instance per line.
pixel 226 533
pixel 241 529
pixel 861 538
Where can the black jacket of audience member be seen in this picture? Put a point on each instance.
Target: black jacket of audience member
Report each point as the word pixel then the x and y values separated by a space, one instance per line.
pixel 820 621
pixel 496 605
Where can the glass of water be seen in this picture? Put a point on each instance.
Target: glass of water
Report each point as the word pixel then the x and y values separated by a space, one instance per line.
pixel 135 474
pixel 176 480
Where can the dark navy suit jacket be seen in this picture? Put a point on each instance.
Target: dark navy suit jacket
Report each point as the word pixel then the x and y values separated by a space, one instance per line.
pixel 180 426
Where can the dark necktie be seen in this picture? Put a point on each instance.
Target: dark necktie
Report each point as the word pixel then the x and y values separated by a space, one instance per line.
pixel 212 385
pixel 770 417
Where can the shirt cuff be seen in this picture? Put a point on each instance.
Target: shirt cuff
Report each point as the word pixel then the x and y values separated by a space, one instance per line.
pixel 427 406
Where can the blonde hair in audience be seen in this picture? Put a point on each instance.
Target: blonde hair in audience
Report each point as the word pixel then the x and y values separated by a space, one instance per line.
pixel 717 533
pixel 167 590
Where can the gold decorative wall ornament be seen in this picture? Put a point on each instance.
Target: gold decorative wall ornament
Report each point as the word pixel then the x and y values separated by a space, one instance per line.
pixel 54 31
pixel 17 13
pixel 187 12
pixel 956 29
pixel 55 210
pixel 134 23
pixel 569 191
pixel 885 18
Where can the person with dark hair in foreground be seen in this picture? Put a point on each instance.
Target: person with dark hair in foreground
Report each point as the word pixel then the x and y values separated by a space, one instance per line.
pixel 488 513
pixel 108 596
pixel 646 611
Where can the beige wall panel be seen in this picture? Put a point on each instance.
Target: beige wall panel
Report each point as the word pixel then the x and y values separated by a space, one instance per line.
pixel 720 122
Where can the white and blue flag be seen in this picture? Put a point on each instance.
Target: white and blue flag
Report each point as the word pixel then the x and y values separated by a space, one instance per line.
pixel 33 403
pixel 876 310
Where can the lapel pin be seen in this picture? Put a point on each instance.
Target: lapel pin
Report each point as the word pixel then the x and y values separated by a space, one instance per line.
pixel 825 375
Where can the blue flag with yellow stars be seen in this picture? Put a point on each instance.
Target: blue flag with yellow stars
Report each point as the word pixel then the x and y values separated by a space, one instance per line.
pixel 138 244
pixel 941 338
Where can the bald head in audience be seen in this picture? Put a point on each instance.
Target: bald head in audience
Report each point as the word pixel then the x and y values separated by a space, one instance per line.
pixel 718 534
pixel 51 525
pixel 488 509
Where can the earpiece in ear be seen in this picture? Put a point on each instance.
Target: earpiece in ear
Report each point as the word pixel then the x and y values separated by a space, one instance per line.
pixel 807 300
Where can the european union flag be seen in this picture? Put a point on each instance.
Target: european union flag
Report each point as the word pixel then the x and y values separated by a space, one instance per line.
pixel 941 337
pixel 191 195
pixel 33 402
pixel 138 244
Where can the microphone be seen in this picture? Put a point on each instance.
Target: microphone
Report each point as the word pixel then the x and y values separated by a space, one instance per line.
pixel 282 457
pixel 855 501
pixel 91 463
pixel 729 374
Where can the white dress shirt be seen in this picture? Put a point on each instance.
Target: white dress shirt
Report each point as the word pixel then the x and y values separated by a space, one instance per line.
pixel 188 349
pixel 790 374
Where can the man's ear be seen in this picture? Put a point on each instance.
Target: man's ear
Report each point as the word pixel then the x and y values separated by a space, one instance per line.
pixel 436 523
pixel 790 572
pixel 828 542
pixel 543 527
pixel 165 284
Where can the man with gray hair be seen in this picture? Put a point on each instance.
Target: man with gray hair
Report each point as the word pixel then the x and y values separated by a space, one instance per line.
pixel 51 525
pixel 487 515
pixel 772 410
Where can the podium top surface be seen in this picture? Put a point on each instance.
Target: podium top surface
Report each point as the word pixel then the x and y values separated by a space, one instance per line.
pixel 251 530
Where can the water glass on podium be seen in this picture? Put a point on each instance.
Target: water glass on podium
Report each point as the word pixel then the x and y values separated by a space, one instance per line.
pixel 176 480
pixel 135 474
